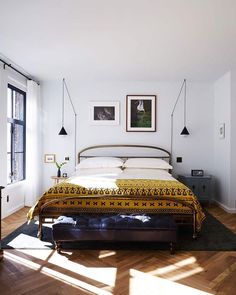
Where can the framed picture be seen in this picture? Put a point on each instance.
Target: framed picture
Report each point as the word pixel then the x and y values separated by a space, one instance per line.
pixel 104 112
pixel 49 158
pixel 197 172
pixel 222 130
pixel 141 113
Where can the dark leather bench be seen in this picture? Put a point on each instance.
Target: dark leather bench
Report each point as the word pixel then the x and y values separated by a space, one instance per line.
pixel 115 227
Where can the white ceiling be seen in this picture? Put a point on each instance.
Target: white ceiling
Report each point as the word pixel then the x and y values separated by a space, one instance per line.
pixel 120 39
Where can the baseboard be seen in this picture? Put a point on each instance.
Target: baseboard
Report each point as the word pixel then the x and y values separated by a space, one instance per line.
pixel 13 210
pixel 226 208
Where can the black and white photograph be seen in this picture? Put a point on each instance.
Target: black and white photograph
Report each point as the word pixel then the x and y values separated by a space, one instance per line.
pixel 104 113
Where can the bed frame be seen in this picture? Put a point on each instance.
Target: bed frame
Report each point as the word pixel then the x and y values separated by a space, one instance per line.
pixel 135 151
pixel 156 152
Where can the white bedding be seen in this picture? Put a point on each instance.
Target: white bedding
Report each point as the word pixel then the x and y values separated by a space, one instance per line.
pixel 106 177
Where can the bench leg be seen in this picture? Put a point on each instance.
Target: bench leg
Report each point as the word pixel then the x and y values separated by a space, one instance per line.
pixel 1 254
pixel 58 246
pixel 194 226
pixel 172 248
pixel 40 229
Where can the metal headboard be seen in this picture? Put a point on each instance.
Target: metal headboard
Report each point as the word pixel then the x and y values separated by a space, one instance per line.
pixel 165 154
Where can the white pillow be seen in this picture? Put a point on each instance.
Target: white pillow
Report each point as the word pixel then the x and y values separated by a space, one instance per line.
pixel 100 162
pixel 147 163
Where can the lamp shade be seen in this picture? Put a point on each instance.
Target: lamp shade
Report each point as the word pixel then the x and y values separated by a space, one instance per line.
pixel 62 131
pixel 184 131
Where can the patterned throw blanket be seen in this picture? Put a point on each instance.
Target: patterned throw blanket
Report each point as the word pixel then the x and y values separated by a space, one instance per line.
pixel 122 195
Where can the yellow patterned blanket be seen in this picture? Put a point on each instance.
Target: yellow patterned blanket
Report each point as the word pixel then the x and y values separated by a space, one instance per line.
pixel 122 195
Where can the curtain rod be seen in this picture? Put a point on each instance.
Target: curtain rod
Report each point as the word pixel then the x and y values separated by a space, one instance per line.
pixel 19 72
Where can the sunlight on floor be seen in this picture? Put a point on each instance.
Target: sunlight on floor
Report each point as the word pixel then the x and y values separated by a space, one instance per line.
pixel 104 280
pixel 185 274
pixel 105 275
pixel 172 272
pixel 72 281
pixel 39 254
pixel 142 283
pixel 106 253
pixel 58 275
pixel 22 261
pixel 23 241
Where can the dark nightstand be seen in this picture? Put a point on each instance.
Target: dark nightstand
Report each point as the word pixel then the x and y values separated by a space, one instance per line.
pixel 201 186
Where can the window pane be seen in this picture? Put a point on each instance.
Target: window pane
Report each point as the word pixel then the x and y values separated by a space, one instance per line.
pixel 8 137
pixel 8 168
pixel 9 103
pixel 15 134
pixel 18 105
pixel 18 135
pixel 18 167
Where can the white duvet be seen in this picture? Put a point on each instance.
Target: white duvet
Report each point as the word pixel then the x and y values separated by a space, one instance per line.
pixel 106 177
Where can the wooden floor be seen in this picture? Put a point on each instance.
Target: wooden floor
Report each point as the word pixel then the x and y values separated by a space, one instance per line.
pixel 117 272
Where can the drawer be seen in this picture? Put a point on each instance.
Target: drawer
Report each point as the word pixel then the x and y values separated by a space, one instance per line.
pixel 200 186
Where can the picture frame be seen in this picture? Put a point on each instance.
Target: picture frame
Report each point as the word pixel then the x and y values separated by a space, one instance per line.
pixel 197 172
pixel 141 113
pixel 49 158
pixel 222 130
pixel 104 112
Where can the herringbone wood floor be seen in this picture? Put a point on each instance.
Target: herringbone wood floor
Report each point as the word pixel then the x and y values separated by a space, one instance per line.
pixel 117 272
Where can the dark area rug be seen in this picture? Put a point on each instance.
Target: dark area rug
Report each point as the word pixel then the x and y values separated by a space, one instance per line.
pixel 214 237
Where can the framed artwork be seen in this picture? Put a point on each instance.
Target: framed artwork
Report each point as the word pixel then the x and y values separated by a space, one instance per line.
pixel 49 158
pixel 141 113
pixel 222 130
pixel 104 112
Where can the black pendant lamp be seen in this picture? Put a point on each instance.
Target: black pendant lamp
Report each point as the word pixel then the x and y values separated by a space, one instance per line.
pixel 185 130
pixel 62 131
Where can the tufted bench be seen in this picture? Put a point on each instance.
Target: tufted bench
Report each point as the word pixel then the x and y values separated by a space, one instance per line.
pixel 115 227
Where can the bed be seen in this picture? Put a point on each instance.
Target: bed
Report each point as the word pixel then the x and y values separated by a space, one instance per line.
pixel 132 179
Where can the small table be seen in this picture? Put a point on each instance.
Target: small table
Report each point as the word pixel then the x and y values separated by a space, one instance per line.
pixel 200 185
pixel 58 179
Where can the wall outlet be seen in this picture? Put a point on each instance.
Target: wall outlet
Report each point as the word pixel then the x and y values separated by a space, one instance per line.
pixel 67 158
pixel 179 159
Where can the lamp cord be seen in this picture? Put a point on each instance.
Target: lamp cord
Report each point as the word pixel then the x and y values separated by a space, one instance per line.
pixel 184 83
pixel 184 102
pixel 172 114
pixel 64 85
pixel 63 82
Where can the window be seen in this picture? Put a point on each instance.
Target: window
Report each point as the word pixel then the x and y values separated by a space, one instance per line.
pixel 16 113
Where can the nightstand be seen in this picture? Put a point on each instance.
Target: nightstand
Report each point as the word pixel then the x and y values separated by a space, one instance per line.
pixel 58 179
pixel 201 186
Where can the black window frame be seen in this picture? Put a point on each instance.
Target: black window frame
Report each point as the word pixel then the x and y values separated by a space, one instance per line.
pixel 13 123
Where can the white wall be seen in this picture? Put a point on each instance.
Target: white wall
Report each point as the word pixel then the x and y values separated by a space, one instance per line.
pixel 195 149
pixel 222 94
pixel 232 202
pixel 224 155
